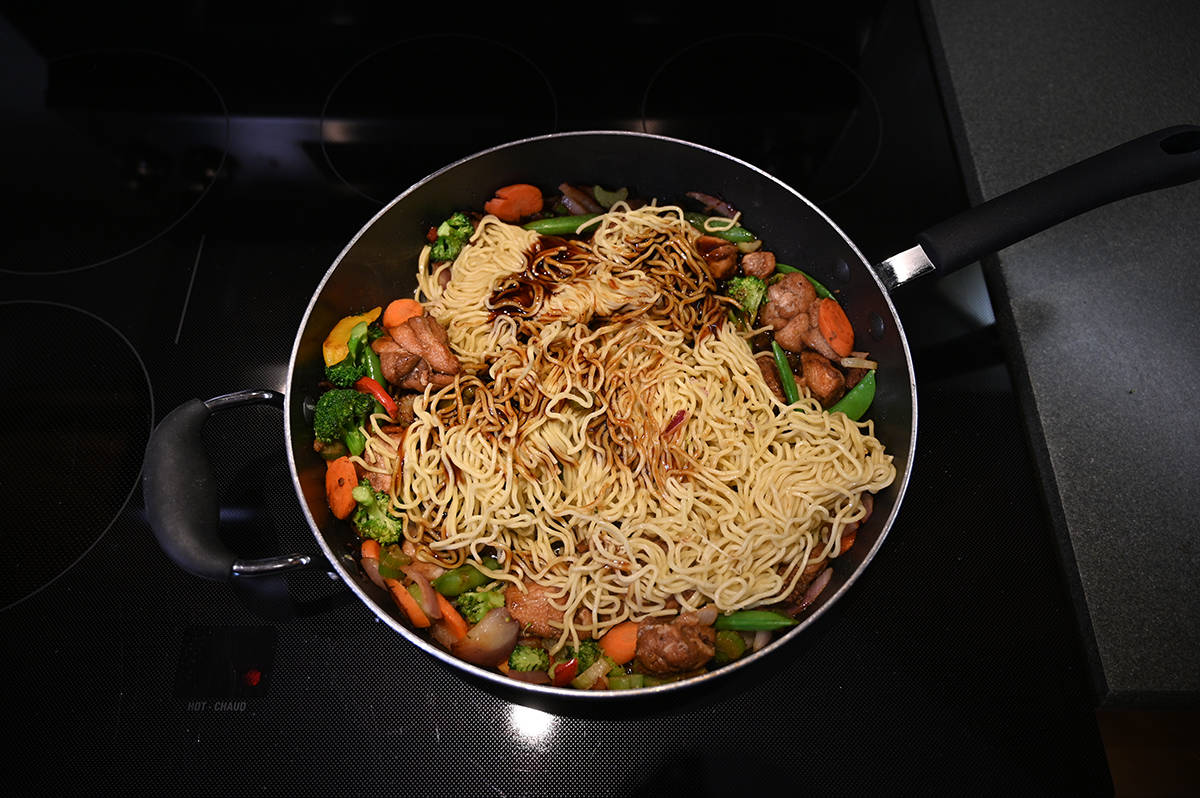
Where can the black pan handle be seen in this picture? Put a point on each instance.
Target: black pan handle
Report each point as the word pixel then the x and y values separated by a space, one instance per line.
pixel 181 495
pixel 1168 157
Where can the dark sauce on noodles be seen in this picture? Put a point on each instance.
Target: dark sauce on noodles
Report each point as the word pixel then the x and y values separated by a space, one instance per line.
pixel 551 262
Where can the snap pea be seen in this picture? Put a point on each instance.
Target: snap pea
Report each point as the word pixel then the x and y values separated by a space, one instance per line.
pixel 559 225
pixel 464 578
pixel 857 399
pixel 754 621
pixel 786 378
pixel 822 291
pixel 734 235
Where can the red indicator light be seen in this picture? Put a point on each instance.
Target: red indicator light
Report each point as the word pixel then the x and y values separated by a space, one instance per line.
pixel 252 677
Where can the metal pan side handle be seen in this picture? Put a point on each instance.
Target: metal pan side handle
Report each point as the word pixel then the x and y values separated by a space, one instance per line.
pixel 182 505
pixel 1165 158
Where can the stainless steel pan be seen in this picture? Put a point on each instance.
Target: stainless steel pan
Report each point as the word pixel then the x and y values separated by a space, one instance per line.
pixel 379 265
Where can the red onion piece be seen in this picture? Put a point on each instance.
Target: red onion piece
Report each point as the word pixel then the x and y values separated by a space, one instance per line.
pixel 815 588
pixel 675 421
pixel 370 567
pixel 490 641
pixel 706 616
pixel 530 677
pixel 714 206
pixel 761 638
pixel 441 633
pixel 429 601
pixel 578 201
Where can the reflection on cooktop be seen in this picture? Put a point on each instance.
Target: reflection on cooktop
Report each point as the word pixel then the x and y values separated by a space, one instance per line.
pixel 802 108
pixel 113 160
pixel 408 109
pixel 90 413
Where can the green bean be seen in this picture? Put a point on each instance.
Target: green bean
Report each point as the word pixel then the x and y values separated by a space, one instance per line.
pixel 754 621
pixel 786 378
pixel 734 235
pixel 559 225
pixel 856 401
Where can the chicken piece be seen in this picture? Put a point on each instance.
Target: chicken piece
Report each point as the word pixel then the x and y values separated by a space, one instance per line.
pixel 759 264
pixel 825 382
pixel 792 310
pixel 786 299
pixel 719 254
pixel 675 646
pixel 397 363
pixel 423 336
pixel 534 610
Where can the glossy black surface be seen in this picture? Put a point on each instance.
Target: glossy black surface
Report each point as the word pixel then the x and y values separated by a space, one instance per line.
pixel 952 666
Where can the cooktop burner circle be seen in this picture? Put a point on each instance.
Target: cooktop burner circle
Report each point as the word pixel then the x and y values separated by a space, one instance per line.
pixel 88 421
pixel 785 105
pixel 386 123
pixel 128 144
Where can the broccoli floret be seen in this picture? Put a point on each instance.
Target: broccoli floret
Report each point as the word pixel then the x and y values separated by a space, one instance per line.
pixel 749 293
pixel 339 414
pixel 452 235
pixel 528 658
pixel 345 373
pixel 587 654
pixel 371 518
pixel 475 604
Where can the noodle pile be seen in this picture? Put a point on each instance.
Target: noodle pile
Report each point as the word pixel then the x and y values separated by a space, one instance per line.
pixel 613 438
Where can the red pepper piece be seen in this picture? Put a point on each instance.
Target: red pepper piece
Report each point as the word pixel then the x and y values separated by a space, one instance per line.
pixel 562 673
pixel 372 387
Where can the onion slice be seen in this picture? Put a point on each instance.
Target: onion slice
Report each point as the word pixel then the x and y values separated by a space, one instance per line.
pixel 761 638
pixel 429 601
pixel 815 588
pixel 370 567
pixel 529 677
pixel 858 363
pixel 490 641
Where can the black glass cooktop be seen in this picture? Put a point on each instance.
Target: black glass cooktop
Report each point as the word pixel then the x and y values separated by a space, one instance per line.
pixel 178 181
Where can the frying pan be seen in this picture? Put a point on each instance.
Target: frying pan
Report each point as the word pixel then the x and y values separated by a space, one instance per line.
pixel 379 264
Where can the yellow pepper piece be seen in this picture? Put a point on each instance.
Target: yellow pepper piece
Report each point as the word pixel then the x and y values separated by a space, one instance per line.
pixel 336 344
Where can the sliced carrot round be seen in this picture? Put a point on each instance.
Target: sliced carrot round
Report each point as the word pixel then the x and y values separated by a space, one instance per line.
pixel 620 642
pixel 340 480
pixel 400 311
pixel 835 327
pixel 515 202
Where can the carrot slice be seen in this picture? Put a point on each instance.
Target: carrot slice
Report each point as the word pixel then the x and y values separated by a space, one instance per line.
pixel 835 327
pixel 370 549
pixel 451 617
pixel 408 603
pixel 620 642
pixel 400 311
pixel 513 203
pixel 340 481
pixel 848 537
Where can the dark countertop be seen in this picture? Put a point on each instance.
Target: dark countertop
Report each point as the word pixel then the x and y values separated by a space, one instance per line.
pixel 1099 314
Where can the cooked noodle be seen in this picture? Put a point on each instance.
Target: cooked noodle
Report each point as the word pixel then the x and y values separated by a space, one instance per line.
pixel 613 437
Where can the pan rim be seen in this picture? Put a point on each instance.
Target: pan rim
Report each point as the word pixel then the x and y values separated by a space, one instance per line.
pixel 446 657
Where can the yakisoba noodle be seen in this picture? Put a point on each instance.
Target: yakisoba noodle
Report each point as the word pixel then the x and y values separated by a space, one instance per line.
pixel 617 442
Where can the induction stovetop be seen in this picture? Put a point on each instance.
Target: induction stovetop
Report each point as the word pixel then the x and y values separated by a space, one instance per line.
pixel 177 185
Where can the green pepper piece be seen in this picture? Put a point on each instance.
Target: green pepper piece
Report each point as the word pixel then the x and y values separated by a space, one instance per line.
pixel 786 378
pixel 464 578
pixel 394 557
pixel 559 225
pixel 754 621
pixel 822 291
pixel 856 401
pixel 730 646
pixel 734 235
pixel 390 573
pixel 629 682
